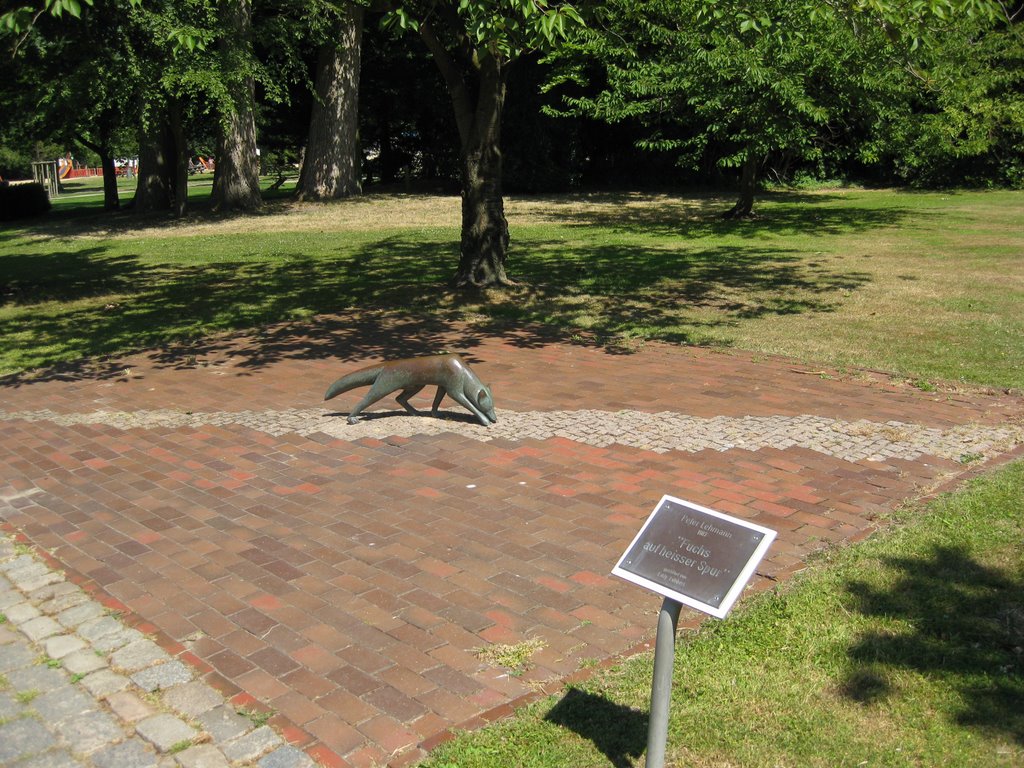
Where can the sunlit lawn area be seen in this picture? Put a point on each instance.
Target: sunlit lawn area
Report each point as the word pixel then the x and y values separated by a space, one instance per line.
pixel 906 650
pixel 924 285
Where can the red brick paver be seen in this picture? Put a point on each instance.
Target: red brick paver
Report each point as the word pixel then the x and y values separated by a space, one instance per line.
pixel 347 584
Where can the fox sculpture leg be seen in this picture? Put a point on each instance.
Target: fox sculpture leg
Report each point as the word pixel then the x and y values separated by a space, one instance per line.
pixel 378 391
pixel 449 373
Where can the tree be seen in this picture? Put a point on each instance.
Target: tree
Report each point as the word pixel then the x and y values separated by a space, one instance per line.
pixel 961 119
pixel 331 164
pixel 473 43
pixel 236 180
pixel 738 81
pixel 18 24
pixel 162 183
pixel 153 67
pixel 202 70
pixel 746 80
pixel 75 79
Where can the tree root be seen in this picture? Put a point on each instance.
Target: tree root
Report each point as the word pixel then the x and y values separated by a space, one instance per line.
pixel 496 282
pixel 735 213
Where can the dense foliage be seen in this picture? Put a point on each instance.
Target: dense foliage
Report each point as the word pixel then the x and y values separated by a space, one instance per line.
pixel 531 95
pixel 965 124
pixel 22 201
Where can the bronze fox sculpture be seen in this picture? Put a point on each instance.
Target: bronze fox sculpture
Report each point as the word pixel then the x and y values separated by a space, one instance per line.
pixel 448 372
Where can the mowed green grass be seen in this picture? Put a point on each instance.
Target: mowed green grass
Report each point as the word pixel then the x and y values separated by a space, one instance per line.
pixel 906 650
pixel 927 286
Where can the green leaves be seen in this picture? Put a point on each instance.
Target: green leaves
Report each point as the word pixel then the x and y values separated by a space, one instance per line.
pixel 726 78
pixel 15 21
pixel 20 20
pixel 189 38
pixel 73 7
pixel 748 22
pixel 501 27
pixel 924 86
pixel 401 18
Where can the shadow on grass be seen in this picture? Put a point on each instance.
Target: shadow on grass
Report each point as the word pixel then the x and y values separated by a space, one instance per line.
pixel 117 303
pixel 689 289
pixel 619 732
pixel 777 213
pixel 685 294
pixel 71 217
pixel 65 276
pixel 968 631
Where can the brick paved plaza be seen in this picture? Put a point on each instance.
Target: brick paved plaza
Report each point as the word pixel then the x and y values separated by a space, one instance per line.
pixel 345 577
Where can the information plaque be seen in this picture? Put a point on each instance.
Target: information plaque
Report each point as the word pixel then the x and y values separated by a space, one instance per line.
pixel 694 555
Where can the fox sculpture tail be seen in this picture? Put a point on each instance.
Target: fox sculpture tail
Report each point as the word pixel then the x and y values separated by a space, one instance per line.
pixel 449 373
pixel 364 377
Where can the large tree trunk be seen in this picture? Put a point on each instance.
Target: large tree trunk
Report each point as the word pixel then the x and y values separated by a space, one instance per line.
pixel 478 102
pixel 111 201
pixel 180 160
pixel 484 226
pixel 748 186
pixel 163 163
pixel 330 167
pixel 155 186
pixel 236 179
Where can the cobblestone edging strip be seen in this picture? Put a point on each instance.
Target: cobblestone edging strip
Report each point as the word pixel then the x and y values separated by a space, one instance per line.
pixel 80 689
pixel 860 440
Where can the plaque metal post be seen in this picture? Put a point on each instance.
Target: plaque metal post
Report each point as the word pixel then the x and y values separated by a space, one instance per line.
pixel 693 556
pixel 661 687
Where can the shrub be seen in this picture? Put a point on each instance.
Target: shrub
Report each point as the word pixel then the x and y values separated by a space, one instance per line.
pixel 14 163
pixel 20 201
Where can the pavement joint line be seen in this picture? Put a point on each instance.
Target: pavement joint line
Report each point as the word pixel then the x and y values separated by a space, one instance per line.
pixel 96 712
pixel 20 495
pixel 851 441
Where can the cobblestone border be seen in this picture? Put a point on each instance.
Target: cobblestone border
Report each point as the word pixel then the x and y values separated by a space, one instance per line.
pixel 853 441
pixel 79 688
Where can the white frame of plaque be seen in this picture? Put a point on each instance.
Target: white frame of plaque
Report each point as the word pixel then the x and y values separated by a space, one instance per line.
pixel 719 612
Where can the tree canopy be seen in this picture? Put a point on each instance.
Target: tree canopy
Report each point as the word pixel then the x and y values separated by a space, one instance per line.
pixel 765 82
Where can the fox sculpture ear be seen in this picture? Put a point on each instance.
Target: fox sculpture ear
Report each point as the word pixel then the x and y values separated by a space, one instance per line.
pixel 483 395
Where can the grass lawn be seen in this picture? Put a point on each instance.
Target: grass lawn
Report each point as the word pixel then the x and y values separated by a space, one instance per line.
pixel 925 285
pixel 905 650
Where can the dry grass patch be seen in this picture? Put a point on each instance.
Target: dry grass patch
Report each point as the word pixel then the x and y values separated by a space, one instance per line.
pixel 357 214
pixel 615 209
pixel 513 657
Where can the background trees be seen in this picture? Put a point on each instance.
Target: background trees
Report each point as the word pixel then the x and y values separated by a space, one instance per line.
pixel 728 92
pixel 236 183
pixel 962 121
pixel 73 88
pixel 776 85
